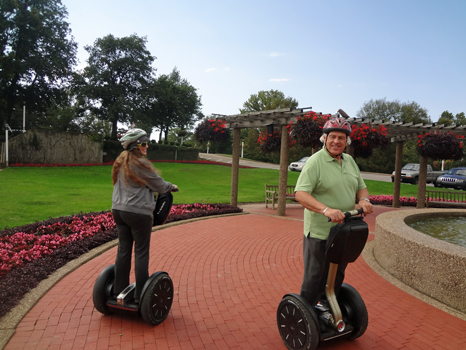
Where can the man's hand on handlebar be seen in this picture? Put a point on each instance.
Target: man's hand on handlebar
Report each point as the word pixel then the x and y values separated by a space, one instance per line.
pixel 334 215
pixel 367 206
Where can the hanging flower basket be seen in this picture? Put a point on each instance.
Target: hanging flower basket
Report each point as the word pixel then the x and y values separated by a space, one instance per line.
pixel 307 130
pixel 270 143
pixel 440 145
pixel 211 130
pixel 365 139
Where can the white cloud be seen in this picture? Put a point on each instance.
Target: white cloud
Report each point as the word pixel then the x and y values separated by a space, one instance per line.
pixel 208 70
pixel 282 79
pixel 275 54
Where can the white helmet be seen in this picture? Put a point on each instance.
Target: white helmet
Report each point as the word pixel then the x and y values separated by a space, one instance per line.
pixel 132 138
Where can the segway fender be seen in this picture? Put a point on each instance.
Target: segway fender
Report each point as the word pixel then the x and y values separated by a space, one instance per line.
pixel 305 303
pixel 149 281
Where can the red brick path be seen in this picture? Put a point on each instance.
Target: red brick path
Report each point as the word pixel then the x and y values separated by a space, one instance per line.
pixel 229 274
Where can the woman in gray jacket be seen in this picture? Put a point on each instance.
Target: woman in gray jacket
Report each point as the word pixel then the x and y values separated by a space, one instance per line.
pixel 134 182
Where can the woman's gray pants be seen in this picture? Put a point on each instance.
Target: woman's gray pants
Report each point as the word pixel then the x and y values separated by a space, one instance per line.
pixel 131 228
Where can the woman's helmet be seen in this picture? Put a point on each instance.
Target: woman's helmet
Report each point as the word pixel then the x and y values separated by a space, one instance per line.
pixel 337 124
pixel 132 138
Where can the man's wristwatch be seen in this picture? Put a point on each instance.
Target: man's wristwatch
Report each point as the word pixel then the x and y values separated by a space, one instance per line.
pixel 364 199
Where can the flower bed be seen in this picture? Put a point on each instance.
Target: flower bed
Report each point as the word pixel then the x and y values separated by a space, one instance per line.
pixel 30 253
pixel 405 201
pixel 19 165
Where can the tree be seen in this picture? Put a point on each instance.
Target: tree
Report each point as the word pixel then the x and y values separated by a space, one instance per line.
pixel 394 110
pixel 173 102
pixel 37 55
pixel 460 119
pixel 268 100
pixel 117 79
pixel 446 118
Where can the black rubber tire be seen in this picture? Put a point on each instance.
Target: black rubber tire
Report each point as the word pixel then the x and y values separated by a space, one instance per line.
pixel 157 300
pixel 296 325
pixel 436 184
pixel 416 181
pixel 101 287
pixel 354 309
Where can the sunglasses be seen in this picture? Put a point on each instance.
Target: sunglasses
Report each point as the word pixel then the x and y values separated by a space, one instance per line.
pixel 144 144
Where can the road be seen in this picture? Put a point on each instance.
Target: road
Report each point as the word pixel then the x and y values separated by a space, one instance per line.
pixel 255 164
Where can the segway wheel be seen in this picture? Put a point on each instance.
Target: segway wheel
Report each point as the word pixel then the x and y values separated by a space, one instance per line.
pixel 296 325
pixel 353 308
pixel 157 300
pixel 102 289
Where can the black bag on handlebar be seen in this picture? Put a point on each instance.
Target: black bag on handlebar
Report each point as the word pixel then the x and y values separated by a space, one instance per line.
pixel 347 240
pixel 163 205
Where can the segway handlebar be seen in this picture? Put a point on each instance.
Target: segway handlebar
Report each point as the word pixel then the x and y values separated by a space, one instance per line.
pixel 351 213
pixel 175 190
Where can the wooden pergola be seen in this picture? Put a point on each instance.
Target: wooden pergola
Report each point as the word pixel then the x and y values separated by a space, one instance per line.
pixel 278 118
pixel 397 132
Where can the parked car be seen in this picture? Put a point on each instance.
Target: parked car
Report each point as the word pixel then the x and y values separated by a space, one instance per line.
pixel 298 166
pixel 454 178
pixel 410 173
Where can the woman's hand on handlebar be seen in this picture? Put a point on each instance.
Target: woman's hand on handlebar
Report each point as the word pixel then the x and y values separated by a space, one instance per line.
pixel 175 188
pixel 334 215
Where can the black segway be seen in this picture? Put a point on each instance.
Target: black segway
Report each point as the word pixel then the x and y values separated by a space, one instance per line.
pixel 157 294
pixel 303 326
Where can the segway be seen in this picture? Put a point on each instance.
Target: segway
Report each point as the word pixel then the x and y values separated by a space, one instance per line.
pixel 303 326
pixel 157 294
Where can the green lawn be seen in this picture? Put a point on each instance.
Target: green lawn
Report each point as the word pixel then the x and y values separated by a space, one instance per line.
pixel 35 194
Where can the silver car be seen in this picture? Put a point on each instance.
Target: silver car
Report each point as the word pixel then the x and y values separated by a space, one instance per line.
pixel 298 166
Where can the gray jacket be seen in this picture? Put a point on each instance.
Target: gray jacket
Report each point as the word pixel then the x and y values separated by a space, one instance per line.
pixel 134 198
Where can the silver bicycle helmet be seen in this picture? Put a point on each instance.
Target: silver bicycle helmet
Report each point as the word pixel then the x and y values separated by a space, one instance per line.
pixel 132 137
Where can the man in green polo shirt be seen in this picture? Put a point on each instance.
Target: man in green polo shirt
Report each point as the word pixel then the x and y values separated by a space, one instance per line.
pixel 328 186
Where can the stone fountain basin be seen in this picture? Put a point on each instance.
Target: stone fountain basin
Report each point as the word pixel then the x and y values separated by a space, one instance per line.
pixel 430 266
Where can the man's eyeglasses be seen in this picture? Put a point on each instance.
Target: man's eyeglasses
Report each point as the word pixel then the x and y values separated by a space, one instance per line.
pixel 144 144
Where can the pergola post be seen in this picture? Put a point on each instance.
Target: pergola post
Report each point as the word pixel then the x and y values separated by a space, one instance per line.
pixel 283 176
pixel 397 179
pixel 235 166
pixel 421 189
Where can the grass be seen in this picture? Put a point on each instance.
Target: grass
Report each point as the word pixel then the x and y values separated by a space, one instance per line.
pixel 35 194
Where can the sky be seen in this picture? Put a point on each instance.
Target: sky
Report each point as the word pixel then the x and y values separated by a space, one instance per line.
pixel 328 55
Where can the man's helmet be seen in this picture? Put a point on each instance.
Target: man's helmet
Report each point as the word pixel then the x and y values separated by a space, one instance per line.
pixel 337 124
pixel 132 138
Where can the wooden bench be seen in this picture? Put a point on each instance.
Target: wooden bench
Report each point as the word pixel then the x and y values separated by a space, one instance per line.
pixel 271 194
pixel 447 198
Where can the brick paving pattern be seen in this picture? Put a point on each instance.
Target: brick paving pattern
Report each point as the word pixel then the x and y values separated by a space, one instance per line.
pixel 229 274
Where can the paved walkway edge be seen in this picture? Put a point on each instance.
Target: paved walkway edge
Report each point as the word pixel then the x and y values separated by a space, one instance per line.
pixel 10 321
pixel 368 256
